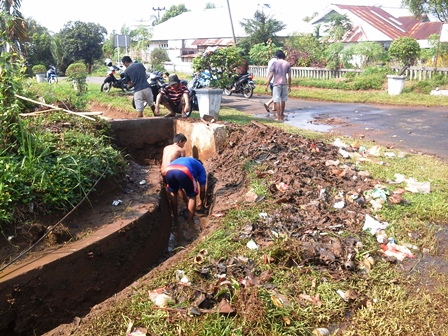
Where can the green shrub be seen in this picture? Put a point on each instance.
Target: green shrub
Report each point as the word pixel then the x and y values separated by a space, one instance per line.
pixel 38 69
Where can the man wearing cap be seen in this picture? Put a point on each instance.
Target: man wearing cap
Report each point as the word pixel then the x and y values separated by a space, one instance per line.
pixel 136 76
pixel 174 97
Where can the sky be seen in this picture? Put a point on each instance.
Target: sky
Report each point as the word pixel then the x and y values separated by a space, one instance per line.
pixel 53 14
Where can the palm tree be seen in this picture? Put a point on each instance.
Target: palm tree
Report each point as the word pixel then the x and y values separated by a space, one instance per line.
pixel 12 23
pixel 261 29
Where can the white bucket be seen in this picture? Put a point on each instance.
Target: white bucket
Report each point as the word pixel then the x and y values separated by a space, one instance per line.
pixel 209 101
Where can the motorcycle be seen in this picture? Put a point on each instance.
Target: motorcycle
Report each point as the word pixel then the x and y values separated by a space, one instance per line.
pixel 51 75
pixel 111 81
pixel 156 82
pixel 244 85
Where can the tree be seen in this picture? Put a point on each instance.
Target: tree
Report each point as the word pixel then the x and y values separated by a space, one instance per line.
pixel 173 11
pixel 333 55
pixel 82 42
pixel 366 53
pixel 158 57
pixel 140 38
pixel 337 26
pixel 261 29
pixel 405 50
pixel 437 8
pixel 38 48
pixel 12 24
pixel 305 50
pixel 221 64
pixel 261 53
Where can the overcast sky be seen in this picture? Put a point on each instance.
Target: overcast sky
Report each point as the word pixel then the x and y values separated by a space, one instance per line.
pixel 53 14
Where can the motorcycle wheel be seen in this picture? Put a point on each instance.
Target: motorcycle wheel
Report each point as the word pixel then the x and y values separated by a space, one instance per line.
pixel 227 91
pixel 125 88
pixel 248 91
pixel 105 87
pixel 193 105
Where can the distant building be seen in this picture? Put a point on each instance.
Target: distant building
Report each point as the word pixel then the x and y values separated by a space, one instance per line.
pixel 380 24
pixel 190 33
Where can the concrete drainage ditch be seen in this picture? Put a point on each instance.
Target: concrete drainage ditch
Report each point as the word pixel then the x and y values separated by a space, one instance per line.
pixel 54 287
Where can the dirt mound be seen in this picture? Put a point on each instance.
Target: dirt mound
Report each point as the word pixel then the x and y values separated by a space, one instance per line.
pixel 310 196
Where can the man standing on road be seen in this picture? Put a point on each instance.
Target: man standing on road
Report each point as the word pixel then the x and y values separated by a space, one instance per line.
pixel 185 173
pixel 280 71
pixel 136 76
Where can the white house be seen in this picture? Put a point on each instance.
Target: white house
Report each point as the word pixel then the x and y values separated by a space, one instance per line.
pixel 185 35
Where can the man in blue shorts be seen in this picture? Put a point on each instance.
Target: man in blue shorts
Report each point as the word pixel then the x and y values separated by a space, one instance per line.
pixel 185 173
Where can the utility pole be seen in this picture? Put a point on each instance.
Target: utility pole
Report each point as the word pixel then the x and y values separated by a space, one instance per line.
pixel 231 23
pixel 158 9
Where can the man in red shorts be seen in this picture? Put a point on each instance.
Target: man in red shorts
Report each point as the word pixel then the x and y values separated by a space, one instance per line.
pixel 185 173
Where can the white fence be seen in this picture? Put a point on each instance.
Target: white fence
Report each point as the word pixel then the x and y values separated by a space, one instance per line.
pixel 413 73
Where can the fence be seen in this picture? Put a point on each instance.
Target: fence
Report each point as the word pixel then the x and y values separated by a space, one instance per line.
pixel 413 73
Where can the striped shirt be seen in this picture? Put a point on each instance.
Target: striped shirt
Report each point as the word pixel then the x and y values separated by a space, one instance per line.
pixel 175 95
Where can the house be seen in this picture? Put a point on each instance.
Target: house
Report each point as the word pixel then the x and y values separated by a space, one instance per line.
pixel 380 24
pixel 190 33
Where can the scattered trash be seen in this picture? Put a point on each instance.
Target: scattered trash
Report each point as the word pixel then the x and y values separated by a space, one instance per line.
pixel 321 332
pixel 412 185
pixel 138 332
pixel 282 186
pixel 339 143
pixel 373 226
pixel 344 153
pixel 374 150
pixel 397 251
pixel 252 245
pixel 339 205
pixel 159 297
pixel 263 215
pixel 117 202
pixel 142 182
pixel 389 154
pixel 181 277
pixel 348 295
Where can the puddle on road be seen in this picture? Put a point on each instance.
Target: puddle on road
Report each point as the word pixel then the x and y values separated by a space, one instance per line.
pixel 300 119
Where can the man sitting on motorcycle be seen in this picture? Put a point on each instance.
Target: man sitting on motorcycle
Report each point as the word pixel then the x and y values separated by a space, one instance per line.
pixel 174 97
pixel 51 71
pixel 241 70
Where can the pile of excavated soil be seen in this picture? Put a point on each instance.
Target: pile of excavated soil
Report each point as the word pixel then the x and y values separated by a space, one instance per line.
pixel 311 194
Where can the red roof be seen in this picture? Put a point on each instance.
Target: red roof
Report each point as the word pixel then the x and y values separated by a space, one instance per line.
pixel 386 23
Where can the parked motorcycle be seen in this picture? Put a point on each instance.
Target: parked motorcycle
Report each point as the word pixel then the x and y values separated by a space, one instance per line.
pixel 111 81
pixel 156 82
pixel 52 75
pixel 244 85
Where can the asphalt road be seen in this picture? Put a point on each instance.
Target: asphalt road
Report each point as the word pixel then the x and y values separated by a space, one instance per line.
pixel 412 129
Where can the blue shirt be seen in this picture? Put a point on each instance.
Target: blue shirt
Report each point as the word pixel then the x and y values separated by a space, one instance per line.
pixel 196 168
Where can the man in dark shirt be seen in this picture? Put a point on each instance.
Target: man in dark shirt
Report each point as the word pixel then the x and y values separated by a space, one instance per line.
pixel 174 97
pixel 136 76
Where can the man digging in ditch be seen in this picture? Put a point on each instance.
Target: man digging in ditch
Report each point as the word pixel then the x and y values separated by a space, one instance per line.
pixel 185 173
